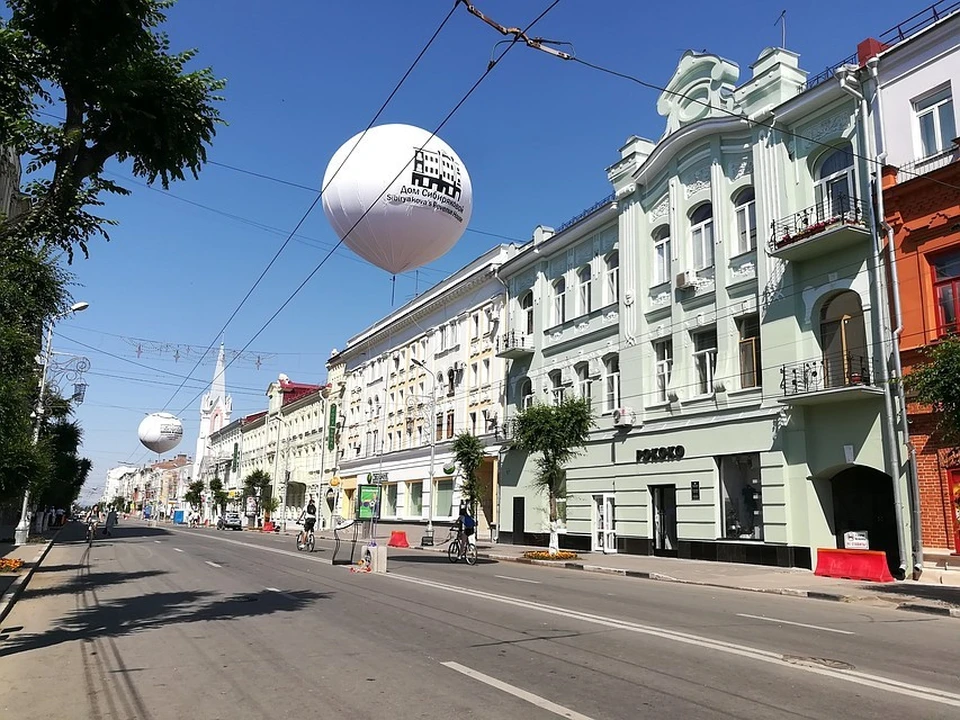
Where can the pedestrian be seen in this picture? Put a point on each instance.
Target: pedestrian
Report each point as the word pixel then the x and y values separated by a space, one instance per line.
pixel 111 522
pixel 60 515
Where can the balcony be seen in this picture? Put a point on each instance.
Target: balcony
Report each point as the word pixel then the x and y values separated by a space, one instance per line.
pixel 926 165
pixel 836 377
pixel 828 226
pixel 514 345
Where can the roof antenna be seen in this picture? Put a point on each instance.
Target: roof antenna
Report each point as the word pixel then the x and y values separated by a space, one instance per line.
pixel 782 22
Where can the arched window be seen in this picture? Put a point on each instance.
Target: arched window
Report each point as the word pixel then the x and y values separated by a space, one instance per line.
pixel 584 283
pixel 526 309
pixel 843 339
pixel 745 209
pixel 611 288
pixel 834 184
pixel 526 393
pixel 559 302
pixel 661 255
pixel 701 236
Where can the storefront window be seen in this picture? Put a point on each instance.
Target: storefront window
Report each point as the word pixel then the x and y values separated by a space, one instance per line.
pixel 442 507
pixel 390 500
pixel 740 495
pixel 415 499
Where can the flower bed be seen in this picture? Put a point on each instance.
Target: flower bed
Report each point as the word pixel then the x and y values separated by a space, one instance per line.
pixel 10 564
pixel 545 555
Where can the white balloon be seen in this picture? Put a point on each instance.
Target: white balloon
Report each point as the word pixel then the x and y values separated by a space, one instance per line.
pixel 160 432
pixel 426 206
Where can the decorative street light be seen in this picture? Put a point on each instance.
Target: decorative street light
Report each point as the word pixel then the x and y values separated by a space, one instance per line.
pixel 427 540
pixel 23 527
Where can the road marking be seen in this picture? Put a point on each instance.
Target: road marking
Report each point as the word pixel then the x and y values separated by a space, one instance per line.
pixel 798 624
pixel 178 549
pixel 157 542
pixel 517 692
pixel 212 564
pixel 274 589
pixel 878 682
pixel 291 553
pixel 507 577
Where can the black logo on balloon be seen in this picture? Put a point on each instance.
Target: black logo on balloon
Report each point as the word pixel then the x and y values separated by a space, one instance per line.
pixel 435 170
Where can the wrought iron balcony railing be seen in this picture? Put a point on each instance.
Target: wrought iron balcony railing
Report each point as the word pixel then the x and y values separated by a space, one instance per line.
pixel 922 166
pixel 514 344
pixel 811 221
pixel 832 371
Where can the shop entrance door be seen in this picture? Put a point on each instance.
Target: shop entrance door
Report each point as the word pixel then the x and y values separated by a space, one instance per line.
pixel 604 519
pixel 664 520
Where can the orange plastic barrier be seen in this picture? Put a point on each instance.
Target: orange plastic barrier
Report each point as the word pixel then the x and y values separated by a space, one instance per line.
pixel 268 526
pixel 398 538
pixel 869 565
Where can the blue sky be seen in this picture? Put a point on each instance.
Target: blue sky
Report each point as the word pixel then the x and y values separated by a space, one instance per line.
pixel 305 76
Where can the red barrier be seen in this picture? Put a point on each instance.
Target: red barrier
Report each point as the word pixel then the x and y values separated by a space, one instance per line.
pixel 268 526
pixel 869 565
pixel 398 538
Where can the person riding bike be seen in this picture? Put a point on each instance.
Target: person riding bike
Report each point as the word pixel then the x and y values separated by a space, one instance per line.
pixel 309 519
pixel 467 524
pixel 91 519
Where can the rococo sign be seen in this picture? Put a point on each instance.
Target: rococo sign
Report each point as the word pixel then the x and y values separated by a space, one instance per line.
pixel 661 454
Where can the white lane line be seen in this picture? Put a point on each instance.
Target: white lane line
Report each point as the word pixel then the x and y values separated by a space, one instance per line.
pixel 878 682
pixel 279 551
pixel 274 589
pixel 798 624
pixel 157 542
pixel 212 564
pixel 178 549
pixel 507 577
pixel 517 692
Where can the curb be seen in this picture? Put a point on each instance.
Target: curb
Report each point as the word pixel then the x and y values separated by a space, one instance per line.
pixel 13 593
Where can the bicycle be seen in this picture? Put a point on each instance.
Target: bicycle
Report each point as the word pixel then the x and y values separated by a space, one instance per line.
pixel 91 532
pixel 461 548
pixel 306 539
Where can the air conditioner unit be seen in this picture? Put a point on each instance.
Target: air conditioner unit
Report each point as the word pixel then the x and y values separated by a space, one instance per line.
pixel 623 418
pixel 686 279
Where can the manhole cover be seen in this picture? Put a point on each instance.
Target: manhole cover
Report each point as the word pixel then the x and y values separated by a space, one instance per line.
pixel 819 662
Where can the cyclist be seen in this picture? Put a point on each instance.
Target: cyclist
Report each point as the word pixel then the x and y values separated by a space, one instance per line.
pixel 309 519
pixel 468 524
pixel 91 519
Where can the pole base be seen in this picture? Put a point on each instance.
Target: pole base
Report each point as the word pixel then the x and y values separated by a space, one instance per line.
pixel 20 535
pixel 427 539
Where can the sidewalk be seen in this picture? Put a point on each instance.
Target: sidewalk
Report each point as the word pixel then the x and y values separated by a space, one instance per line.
pixel 32 554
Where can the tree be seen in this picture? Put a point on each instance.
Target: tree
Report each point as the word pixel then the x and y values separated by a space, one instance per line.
pixel 936 382
pixel 194 494
pixel 106 68
pixel 119 503
pixel 469 452
pixel 220 496
pixel 558 433
pixel 258 486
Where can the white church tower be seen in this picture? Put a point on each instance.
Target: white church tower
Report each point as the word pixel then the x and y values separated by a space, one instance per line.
pixel 215 409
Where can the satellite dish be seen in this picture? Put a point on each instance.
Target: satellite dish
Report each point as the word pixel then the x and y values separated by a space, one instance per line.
pixel 160 432
pixel 426 206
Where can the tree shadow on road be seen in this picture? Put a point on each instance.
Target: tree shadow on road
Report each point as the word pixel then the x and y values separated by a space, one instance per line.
pixel 126 616
pixel 89 581
pixel 435 559
pixel 941 593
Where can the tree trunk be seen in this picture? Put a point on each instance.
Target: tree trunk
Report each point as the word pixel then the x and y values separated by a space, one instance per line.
pixel 554 547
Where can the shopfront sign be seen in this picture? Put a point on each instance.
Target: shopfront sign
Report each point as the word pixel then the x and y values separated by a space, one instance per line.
pixel 855 540
pixel 369 502
pixel 332 429
pixel 695 490
pixel 661 454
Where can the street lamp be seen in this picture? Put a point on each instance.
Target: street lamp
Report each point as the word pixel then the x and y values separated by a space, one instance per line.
pixel 427 539
pixel 23 527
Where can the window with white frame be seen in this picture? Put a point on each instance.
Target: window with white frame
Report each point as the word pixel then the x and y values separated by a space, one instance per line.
pixel 611 383
pixel 701 236
pixel 705 359
pixel 661 255
pixel 556 386
pixel 559 302
pixel 834 185
pixel 582 371
pixel 485 372
pixel 745 210
pixel 663 366
pixel 526 310
pixel 454 333
pixel 526 393
pixel 936 123
pixel 611 286
pixel 475 324
pixel 474 375
pixel 584 283
pixel 749 327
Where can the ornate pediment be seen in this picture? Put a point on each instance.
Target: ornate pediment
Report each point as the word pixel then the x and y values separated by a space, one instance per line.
pixel 701 87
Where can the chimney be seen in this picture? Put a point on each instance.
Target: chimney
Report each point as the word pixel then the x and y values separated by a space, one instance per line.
pixel 871 47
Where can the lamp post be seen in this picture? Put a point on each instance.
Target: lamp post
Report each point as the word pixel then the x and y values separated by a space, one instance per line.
pixel 23 527
pixel 427 539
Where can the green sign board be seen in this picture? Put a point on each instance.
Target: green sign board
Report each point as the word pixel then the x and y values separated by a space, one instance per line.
pixel 369 499
pixel 332 429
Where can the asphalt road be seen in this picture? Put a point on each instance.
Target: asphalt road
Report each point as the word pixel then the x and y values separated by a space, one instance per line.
pixel 158 624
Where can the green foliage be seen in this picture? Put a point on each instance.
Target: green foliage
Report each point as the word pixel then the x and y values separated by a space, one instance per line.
pixel 557 433
pixel 469 451
pixel 269 504
pixel 108 70
pixel 194 494
pixel 936 382
pixel 220 496
pixel 119 503
pixel 257 486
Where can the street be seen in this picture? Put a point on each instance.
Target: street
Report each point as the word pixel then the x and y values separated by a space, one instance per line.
pixel 161 623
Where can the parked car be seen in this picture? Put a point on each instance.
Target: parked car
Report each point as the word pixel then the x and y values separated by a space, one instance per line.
pixel 230 521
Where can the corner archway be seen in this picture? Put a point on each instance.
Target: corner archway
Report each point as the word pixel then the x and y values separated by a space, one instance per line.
pixel 863 501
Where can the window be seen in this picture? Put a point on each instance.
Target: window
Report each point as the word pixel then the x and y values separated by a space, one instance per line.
pixel 834 185
pixel 663 353
pixel 583 379
pixel 444 337
pixel 745 209
pixel 415 499
pixel 474 375
pixel 526 309
pixel 473 423
pixel 449 424
pixel 454 334
pixel 390 500
pixel 584 281
pixel 661 255
pixel 389 442
pixel 740 495
pixel 443 506
pixel 611 383
pixel 705 359
pixel 559 302
pixel 611 288
pixel 419 435
pixel 701 235
pixel 946 278
pixel 376 442
pixel 936 123
pixel 451 381
pixel 485 372
pixel 439 430
pixel 475 324
pixel 749 327
pixel 556 386
pixel 526 393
